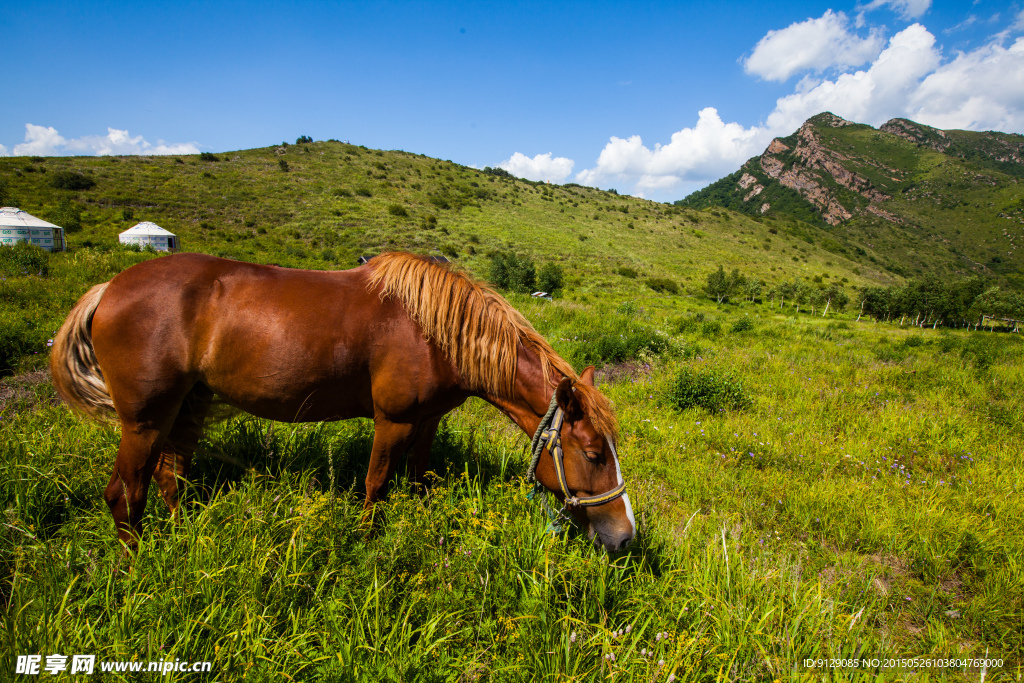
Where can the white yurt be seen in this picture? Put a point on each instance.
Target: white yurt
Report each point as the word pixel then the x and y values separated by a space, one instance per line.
pixel 152 235
pixel 20 226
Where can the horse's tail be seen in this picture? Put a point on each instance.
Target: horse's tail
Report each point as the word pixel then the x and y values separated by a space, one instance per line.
pixel 76 373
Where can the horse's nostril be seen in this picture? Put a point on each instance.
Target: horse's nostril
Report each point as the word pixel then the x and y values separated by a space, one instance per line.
pixel 625 543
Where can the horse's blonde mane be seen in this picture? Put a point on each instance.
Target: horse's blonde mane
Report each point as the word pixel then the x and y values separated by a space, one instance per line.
pixel 477 329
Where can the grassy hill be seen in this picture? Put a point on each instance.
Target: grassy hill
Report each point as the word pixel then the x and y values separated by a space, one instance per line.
pixel 338 201
pixel 807 487
pixel 914 199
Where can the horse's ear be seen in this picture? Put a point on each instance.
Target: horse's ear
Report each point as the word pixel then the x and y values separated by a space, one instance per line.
pixel 567 399
pixel 587 376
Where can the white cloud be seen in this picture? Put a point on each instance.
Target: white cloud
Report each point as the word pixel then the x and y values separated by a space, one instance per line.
pixel 979 90
pixel 1018 23
pixel 814 44
pixel 966 23
pixel 869 96
pixel 39 141
pixel 710 148
pixel 540 167
pixel 3 151
pixel 907 9
pixel 46 141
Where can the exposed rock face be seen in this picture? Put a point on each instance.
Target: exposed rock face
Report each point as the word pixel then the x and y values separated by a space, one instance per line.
pixel 746 180
pixel 918 134
pixel 1000 147
pixel 813 161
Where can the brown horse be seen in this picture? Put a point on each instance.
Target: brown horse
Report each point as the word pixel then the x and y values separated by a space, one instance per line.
pixel 400 340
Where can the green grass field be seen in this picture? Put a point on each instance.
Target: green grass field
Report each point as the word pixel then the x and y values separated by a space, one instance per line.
pixel 860 500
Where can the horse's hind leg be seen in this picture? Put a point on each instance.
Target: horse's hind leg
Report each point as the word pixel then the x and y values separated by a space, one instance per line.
pixel 144 431
pixel 126 491
pixel 419 455
pixel 176 456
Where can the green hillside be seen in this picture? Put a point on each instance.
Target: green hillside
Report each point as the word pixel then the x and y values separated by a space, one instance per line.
pixel 912 198
pixel 338 201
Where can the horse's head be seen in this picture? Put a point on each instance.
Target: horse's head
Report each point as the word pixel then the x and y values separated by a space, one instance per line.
pixel 590 473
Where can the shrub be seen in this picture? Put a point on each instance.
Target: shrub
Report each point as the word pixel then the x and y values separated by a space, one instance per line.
pixel 283 164
pixel 743 325
pixel 692 350
pixel 127 213
pixel 342 192
pixel 23 258
pixel 303 139
pixel 626 271
pixel 947 344
pixel 686 324
pixel 550 278
pixel 981 353
pixel 449 250
pixel 629 308
pixel 70 180
pixel 364 192
pixel 707 389
pixel 616 346
pixel 207 156
pixel 711 328
pixel 513 272
pixel 398 210
pixel 663 284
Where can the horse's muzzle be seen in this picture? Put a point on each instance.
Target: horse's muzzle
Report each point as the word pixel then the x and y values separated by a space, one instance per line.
pixel 613 541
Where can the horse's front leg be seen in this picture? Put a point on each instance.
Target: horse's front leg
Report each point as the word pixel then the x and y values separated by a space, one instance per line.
pixel 390 441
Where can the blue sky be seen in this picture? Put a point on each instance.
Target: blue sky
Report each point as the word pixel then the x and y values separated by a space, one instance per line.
pixel 654 99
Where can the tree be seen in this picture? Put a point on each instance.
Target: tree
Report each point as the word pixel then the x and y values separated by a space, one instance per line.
pixel 802 294
pixel 550 277
pixel 513 272
pixel 835 296
pixel 720 286
pixel 753 289
pixel 787 290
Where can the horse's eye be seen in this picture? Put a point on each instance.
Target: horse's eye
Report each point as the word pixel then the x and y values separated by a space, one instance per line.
pixel 592 456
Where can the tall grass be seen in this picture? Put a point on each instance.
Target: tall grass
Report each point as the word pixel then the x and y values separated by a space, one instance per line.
pixel 863 504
